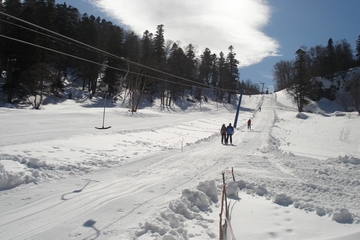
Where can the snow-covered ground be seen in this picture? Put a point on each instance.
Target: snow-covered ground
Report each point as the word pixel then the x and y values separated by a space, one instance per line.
pixel 158 174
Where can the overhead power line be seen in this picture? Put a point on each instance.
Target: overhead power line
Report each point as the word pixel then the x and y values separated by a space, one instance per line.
pixel 89 47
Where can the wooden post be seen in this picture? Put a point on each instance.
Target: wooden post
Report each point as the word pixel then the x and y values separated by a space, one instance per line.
pixel 221 213
pixel 232 171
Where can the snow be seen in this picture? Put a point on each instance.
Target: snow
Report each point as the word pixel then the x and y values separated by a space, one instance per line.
pixel 157 174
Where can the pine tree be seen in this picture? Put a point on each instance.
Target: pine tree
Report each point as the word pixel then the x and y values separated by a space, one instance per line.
pixel 344 58
pixel 223 75
pixel 147 48
pixel 88 72
pixel 302 82
pixel 233 71
pixel 11 51
pixel 160 59
pixel 177 66
pixel 114 45
pixel 206 66
pixel 358 51
pixel 214 70
pixel 66 23
pixel 159 47
pixel 330 59
pixel 190 69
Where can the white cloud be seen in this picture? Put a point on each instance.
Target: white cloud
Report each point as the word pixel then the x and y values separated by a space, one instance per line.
pixel 213 24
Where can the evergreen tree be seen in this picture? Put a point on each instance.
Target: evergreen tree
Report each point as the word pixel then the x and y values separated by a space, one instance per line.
pixel 223 76
pixel 190 65
pixel 318 58
pixel 159 47
pixel 146 58
pixel 232 71
pixel 358 51
pixel 344 58
pixel 67 20
pixel 147 48
pixel 88 72
pixel 67 24
pixel 302 82
pixel 206 66
pixel 11 51
pixel 160 59
pixel 114 45
pixel 330 59
pixel 214 70
pixel 177 66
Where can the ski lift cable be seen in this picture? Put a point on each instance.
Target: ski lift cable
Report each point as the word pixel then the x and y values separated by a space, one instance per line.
pixel 101 51
pixel 49 36
pixel 58 34
pixel 93 62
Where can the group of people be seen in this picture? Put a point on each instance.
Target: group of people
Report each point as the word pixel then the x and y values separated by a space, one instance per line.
pixel 227 132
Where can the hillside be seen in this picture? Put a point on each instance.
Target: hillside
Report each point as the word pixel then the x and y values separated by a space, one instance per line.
pixel 156 174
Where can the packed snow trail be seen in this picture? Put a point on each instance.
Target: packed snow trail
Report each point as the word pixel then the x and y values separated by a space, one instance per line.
pixel 110 203
pixel 65 206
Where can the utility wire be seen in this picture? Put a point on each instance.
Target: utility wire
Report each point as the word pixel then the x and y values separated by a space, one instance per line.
pixel 101 51
pixel 47 35
pixel 97 63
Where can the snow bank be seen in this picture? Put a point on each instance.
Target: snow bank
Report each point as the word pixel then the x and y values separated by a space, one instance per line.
pixel 343 216
pixel 188 210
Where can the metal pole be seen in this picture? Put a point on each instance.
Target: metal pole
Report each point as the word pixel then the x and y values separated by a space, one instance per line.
pixel 104 109
pixel 238 108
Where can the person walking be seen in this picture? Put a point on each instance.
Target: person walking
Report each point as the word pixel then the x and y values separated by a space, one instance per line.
pixel 249 124
pixel 230 132
pixel 223 134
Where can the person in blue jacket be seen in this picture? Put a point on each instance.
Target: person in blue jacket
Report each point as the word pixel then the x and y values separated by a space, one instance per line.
pixel 229 132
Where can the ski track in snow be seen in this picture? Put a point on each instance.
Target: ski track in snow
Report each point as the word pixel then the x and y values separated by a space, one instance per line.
pixel 135 176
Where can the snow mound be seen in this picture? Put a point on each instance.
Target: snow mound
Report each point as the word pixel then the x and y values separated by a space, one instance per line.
pixel 349 159
pixel 173 220
pixel 343 216
pixel 302 115
pixel 10 180
pixel 232 190
pixel 283 200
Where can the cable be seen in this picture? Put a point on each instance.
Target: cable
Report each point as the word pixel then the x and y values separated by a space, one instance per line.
pixel 46 35
pixel 90 61
pixel 101 51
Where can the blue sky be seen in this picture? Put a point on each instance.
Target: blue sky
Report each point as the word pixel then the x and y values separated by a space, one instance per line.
pixel 262 32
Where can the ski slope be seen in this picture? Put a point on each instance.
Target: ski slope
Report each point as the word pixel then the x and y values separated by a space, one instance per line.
pixel 158 174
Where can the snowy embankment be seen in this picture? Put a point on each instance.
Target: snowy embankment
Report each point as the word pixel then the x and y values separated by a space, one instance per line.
pixel 157 175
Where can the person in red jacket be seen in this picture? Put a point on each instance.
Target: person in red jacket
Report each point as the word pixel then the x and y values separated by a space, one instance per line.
pixel 249 124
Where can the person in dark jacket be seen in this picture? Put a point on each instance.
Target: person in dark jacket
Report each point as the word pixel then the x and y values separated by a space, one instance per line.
pixel 223 134
pixel 230 132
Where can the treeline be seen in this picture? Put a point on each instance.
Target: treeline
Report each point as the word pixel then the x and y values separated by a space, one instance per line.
pixel 35 61
pixel 300 75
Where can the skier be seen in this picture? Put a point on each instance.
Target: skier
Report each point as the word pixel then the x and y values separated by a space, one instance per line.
pixel 249 124
pixel 230 132
pixel 223 134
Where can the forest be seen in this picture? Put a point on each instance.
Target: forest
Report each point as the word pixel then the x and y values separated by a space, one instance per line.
pixel 42 43
pixel 331 62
